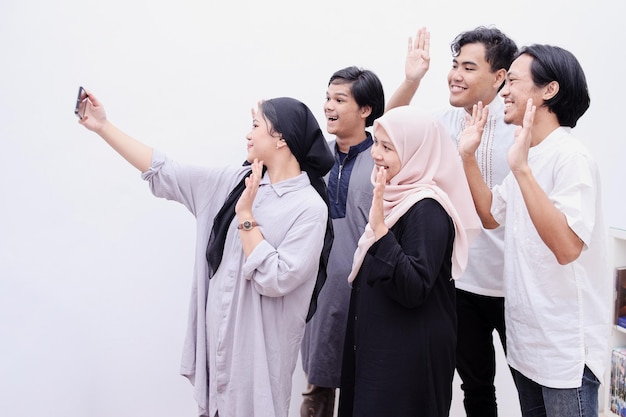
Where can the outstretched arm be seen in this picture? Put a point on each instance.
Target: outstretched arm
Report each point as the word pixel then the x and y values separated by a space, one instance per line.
pixel 135 152
pixel 416 66
pixel 550 222
pixel 468 143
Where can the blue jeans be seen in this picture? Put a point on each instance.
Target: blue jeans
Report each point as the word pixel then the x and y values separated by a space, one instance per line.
pixel 538 401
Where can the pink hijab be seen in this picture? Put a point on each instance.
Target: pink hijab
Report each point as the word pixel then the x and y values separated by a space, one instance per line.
pixel 431 168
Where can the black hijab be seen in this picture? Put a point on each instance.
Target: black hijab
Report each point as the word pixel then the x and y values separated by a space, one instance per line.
pixel 305 140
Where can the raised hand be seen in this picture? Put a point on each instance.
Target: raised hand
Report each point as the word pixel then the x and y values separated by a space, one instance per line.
pixel 470 137
pixel 377 216
pixel 418 56
pixel 135 152
pixel 95 116
pixel 518 152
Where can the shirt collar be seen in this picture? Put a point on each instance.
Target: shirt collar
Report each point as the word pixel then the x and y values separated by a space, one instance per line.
pixel 359 147
pixel 286 186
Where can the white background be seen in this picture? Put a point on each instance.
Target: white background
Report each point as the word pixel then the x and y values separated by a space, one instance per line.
pixel 94 271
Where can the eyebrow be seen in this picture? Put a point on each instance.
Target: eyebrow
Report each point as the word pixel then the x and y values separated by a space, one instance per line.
pixel 465 62
pixel 338 94
pixel 387 143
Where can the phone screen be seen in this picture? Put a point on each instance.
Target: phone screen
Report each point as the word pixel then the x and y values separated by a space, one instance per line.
pixel 81 103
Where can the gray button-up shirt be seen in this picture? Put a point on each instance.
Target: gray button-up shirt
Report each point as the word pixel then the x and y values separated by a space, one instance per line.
pixel 247 322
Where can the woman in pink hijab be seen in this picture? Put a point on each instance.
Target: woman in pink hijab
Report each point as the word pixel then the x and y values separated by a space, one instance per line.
pixel 400 343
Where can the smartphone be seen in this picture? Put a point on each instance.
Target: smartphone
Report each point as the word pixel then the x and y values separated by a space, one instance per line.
pixel 81 103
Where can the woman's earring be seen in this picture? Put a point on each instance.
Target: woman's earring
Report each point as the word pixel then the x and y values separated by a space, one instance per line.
pixel 279 140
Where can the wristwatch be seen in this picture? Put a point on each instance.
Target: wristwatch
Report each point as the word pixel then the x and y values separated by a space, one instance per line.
pixel 247 225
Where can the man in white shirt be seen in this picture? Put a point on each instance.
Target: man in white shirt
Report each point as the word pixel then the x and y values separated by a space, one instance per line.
pixel 558 291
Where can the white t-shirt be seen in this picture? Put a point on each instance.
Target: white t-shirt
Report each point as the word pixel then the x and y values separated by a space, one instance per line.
pixel 483 274
pixel 557 316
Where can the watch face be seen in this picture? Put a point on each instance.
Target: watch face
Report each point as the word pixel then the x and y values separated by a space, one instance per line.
pixel 246 225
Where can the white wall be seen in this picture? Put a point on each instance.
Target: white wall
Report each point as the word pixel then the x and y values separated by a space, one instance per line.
pixel 94 271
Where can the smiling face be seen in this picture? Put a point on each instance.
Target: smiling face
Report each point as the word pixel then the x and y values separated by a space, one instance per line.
pixel 344 117
pixel 262 143
pixel 471 79
pixel 519 87
pixel 384 153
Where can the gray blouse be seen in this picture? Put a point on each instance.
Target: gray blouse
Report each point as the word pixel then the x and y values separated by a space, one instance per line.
pixel 246 323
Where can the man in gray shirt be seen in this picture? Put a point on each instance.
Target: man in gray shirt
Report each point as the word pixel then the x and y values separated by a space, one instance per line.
pixel 354 99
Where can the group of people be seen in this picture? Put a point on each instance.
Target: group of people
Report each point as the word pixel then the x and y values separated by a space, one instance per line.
pixel 388 256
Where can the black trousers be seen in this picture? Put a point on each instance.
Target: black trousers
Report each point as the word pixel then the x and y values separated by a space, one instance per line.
pixel 478 316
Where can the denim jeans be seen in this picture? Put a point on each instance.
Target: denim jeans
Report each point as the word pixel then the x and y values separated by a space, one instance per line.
pixel 478 316
pixel 538 401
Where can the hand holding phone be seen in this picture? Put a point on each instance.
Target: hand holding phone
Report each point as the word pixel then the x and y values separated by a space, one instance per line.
pixel 81 103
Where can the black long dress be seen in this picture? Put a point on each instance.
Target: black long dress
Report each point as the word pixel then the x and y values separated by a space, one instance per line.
pixel 399 352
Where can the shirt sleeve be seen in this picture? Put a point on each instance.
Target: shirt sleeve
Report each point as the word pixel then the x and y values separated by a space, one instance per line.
pixel 498 200
pixel 574 193
pixel 193 186
pixel 276 271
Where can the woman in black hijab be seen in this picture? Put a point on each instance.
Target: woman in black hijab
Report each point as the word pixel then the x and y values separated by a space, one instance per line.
pixel 263 237
pixel 299 130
